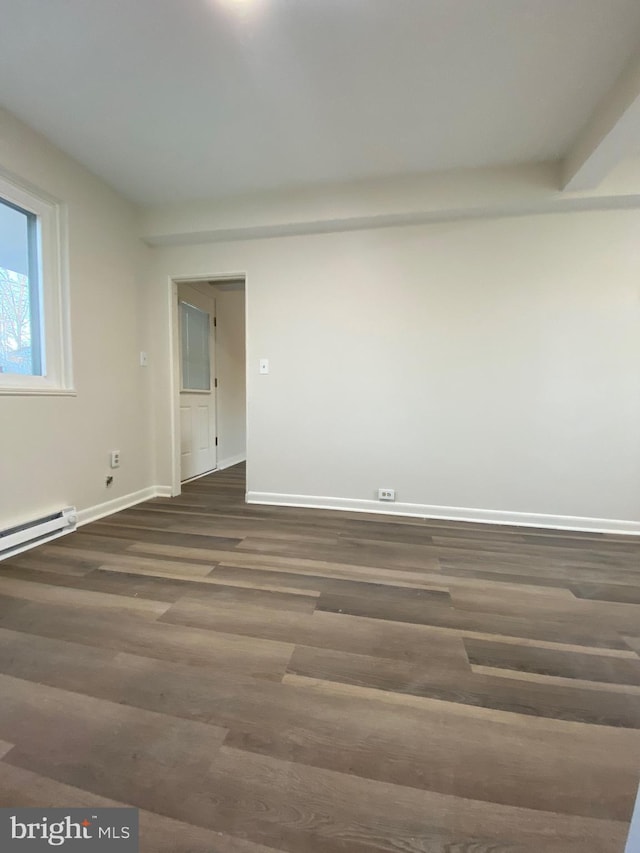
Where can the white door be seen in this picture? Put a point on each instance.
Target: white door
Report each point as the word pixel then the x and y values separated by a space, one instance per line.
pixel 197 384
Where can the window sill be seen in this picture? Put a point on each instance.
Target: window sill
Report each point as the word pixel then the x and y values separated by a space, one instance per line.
pixel 38 392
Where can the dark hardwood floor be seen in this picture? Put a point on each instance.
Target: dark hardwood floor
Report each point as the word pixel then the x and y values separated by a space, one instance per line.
pixel 260 679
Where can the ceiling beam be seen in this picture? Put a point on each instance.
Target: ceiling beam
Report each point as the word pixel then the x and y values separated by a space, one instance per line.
pixel 612 133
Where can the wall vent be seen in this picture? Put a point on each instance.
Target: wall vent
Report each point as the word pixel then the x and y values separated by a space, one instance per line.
pixel 15 539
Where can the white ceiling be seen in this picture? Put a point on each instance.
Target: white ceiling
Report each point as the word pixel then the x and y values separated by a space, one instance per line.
pixel 172 100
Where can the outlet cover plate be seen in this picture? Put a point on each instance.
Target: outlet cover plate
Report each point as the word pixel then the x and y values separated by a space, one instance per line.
pixel 386 494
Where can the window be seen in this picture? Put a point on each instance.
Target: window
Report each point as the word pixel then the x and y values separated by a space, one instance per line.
pixel 34 327
pixel 194 344
pixel 20 333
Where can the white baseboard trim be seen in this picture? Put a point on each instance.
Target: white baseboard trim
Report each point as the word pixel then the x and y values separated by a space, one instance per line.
pixel 450 513
pixel 232 460
pixel 163 492
pixel 93 513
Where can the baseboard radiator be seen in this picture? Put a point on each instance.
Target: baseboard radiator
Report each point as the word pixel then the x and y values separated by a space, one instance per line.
pixel 13 540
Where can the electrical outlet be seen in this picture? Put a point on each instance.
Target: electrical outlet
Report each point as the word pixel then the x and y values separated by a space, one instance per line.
pixel 114 458
pixel 386 494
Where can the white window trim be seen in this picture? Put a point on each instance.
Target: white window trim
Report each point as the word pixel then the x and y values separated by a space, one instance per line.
pixel 54 287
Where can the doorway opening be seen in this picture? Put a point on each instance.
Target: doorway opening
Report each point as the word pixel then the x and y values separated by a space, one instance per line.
pixel 208 347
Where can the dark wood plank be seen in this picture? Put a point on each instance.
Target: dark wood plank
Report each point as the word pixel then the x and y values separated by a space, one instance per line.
pixel 82 599
pixel 598 707
pixel 53 726
pixel 158 834
pixel 607 592
pixel 596 668
pixel 111 629
pixel 159 537
pixel 442 615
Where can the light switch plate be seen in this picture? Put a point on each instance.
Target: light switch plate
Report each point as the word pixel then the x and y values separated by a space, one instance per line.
pixel 264 365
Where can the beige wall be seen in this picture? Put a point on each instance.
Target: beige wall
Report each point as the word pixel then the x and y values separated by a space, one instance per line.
pixel 490 364
pixel 54 450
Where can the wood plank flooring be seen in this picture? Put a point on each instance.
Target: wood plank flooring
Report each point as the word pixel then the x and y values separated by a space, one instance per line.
pixel 263 679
